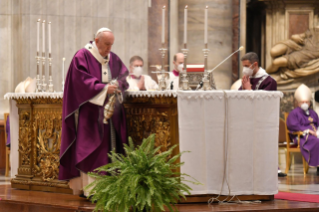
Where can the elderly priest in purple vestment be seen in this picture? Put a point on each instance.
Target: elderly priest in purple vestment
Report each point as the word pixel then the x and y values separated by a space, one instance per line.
pixel 86 140
pixel 255 77
pixel 304 119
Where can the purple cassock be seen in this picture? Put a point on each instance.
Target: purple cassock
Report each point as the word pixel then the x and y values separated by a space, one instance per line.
pixel 298 120
pixel 8 132
pixel 86 147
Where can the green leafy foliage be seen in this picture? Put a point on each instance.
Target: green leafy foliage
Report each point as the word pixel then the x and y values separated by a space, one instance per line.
pixel 143 180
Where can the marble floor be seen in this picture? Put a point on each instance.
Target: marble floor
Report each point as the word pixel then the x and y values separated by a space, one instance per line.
pixel 296 182
pixel 4 180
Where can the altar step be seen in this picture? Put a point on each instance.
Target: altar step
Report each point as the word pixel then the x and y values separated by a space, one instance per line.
pixel 14 200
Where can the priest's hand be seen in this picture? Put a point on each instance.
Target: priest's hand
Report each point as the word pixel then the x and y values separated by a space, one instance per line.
pixel 141 84
pixel 311 132
pixel 246 83
pixel 111 89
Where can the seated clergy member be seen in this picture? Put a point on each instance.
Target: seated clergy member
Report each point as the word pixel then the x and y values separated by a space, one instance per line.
pixel 255 77
pixel 178 62
pixel 306 120
pixel 136 79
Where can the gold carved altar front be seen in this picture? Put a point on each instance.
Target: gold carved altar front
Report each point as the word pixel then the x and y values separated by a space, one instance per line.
pixel 153 115
pixel 40 124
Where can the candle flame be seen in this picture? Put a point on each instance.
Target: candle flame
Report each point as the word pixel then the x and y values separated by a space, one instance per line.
pixel 164 7
pixel 43 21
pixel 241 48
pixel 39 20
pixel 206 7
pixel 49 22
pixel 63 59
pixel 186 7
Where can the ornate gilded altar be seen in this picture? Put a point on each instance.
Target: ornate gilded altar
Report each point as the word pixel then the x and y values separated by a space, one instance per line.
pixel 153 112
pixel 37 135
pixel 39 142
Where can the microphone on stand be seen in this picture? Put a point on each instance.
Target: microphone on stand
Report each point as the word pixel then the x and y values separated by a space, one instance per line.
pixel 172 85
pixel 200 85
pixel 240 49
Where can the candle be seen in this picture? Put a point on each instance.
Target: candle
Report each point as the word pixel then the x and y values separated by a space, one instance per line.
pixel 163 24
pixel 43 37
pixel 38 35
pixel 205 27
pixel 185 24
pixel 63 69
pixel 49 28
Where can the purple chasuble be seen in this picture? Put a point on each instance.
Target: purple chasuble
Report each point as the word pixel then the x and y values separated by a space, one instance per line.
pixel 86 148
pixel 8 132
pixel 298 120
pixel 268 84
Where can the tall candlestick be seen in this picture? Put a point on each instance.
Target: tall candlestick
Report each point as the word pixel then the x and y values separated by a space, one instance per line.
pixel 206 20
pixel 49 28
pixel 43 37
pixel 185 24
pixel 163 24
pixel 38 35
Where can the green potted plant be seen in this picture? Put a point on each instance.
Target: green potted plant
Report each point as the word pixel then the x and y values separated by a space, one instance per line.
pixel 142 180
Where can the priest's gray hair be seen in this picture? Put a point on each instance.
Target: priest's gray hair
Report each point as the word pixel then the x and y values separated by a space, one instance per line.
pixel 251 56
pixel 97 34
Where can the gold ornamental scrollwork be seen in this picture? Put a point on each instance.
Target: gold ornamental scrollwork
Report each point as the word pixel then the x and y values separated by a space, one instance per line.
pixel 47 127
pixel 145 121
pixel 25 137
pixel 39 183
pixel 152 100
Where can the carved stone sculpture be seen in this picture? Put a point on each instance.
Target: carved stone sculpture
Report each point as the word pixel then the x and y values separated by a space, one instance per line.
pixel 295 59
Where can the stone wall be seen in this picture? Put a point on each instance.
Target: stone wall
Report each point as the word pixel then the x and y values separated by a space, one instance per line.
pixel 220 27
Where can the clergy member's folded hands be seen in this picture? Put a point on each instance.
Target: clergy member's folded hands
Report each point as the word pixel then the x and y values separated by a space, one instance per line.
pixel 246 83
pixel 141 84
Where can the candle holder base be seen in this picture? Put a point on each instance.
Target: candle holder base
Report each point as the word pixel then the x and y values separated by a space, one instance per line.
pixel 39 86
pixel 162 85
pixel 184 83
pixel 206 86
pixel 44 85
pixel 50 85
pixel 206 83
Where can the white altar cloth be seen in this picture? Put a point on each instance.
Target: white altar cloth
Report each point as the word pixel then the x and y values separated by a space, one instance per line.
pixel 241 126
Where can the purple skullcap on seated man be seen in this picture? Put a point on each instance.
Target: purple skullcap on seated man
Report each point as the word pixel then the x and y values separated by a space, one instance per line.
pixel 255 77
pixel 304 119
pixel 86 141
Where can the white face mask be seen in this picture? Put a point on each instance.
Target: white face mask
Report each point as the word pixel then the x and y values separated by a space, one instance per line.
pixel 304 106
pixel 248 71
pixel 137 71
pixel 180 67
